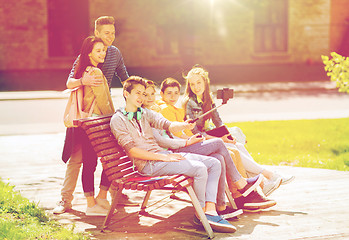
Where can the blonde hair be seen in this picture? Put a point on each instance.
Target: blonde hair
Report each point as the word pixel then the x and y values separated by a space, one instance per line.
pixel 207 99
pixel 149 83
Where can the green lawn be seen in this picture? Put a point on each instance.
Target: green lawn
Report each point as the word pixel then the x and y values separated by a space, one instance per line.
pixel 321 143
pixel 22 219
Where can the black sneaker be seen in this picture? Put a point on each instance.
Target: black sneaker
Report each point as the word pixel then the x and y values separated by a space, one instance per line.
pixel 252 184
pixel 254 201
pixel 230 212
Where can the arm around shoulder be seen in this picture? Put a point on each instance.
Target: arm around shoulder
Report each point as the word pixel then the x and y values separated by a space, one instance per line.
pixel 71 81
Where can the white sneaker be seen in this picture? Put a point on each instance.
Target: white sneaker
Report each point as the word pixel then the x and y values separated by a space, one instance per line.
pixel 285 178
pixel 103 203
pixel 271 185
pixel 96 210
pixel 62 207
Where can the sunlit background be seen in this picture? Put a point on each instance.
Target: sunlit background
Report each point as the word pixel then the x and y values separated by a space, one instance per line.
pixel 236 40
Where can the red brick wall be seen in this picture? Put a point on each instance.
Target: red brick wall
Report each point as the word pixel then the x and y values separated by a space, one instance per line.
pixel 338 27
pixel 23 34
pixel 226 39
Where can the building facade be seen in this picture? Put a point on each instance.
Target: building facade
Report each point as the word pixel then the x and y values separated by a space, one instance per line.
pixel 46 35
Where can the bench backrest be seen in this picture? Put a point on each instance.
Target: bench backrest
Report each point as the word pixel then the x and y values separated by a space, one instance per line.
pixel 115 162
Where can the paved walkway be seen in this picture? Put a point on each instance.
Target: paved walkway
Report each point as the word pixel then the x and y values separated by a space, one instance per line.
pixel 314 206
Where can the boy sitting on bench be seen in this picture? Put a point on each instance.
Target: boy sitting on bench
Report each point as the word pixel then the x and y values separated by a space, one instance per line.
pixel 132 127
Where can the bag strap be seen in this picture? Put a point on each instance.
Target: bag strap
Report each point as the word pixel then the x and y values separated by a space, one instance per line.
pixel 89 71
pixel 92 107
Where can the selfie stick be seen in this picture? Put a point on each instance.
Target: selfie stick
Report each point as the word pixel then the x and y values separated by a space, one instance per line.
pixel 203 115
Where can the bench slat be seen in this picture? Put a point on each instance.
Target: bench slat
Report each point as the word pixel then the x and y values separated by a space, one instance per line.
pixel 102 140
pixel 105 147
pixel 99 134
pixel 114 156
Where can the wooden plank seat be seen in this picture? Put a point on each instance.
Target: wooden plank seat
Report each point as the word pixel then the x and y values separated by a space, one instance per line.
pixel 120 172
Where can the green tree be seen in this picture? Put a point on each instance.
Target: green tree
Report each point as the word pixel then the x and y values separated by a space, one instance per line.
pixel 337 68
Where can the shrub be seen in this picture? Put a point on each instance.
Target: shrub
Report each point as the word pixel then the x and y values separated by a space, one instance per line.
pixel 337 68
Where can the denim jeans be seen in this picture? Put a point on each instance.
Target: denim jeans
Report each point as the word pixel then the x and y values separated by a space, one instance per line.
pixel 203 169
pixel 216 148
pixel 89 164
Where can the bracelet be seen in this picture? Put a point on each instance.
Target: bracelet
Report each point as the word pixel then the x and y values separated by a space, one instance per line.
pixel 81 82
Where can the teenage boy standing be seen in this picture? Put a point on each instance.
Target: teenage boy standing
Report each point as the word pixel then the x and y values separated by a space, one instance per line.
pixel 132 127
pixel 113 64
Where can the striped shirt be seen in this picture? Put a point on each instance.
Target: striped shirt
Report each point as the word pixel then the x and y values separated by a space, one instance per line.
pixel 113 63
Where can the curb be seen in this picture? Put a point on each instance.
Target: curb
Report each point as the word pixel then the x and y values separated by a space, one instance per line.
pixel 238 88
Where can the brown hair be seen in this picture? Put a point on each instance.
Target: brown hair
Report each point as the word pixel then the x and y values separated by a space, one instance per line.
pixel 84 59
pixel 132 81
pixel 169 82
pixel 104 20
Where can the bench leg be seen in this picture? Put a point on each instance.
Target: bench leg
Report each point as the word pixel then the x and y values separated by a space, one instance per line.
pixel 230 198
pixel 200 212
pixel 114 202
pixel 145 202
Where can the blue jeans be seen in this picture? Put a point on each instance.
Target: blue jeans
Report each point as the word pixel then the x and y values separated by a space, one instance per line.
pixel 216 148
pixel 204 170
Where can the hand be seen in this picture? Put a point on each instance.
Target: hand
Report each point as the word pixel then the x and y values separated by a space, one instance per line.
pixel 229 139
pixel 173 157
pixel 189 125
pixel 195 139
pixel 92 80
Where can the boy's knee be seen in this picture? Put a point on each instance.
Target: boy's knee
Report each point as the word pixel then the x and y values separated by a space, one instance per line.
pixel 220 141
pixel 216 164
pixel 201 170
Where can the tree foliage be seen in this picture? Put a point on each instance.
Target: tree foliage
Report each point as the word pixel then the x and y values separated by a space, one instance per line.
pixel 337 68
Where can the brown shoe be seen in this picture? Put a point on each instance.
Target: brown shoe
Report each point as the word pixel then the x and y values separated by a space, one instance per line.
pixel 254 201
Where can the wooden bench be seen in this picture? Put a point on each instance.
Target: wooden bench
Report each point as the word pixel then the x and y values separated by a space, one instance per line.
pixel 119 169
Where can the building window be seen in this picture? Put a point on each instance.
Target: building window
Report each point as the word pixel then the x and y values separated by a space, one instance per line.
pixel 271 27
pixel 68 26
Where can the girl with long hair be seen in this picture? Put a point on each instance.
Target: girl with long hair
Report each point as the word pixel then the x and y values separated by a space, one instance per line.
pixel 79 151
pixel 198 100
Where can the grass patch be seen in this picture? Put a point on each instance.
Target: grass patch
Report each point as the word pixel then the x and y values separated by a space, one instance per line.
pixel 321 143
pixel 22 219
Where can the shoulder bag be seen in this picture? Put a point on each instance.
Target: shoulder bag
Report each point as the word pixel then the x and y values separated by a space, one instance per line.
pixel 73 110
